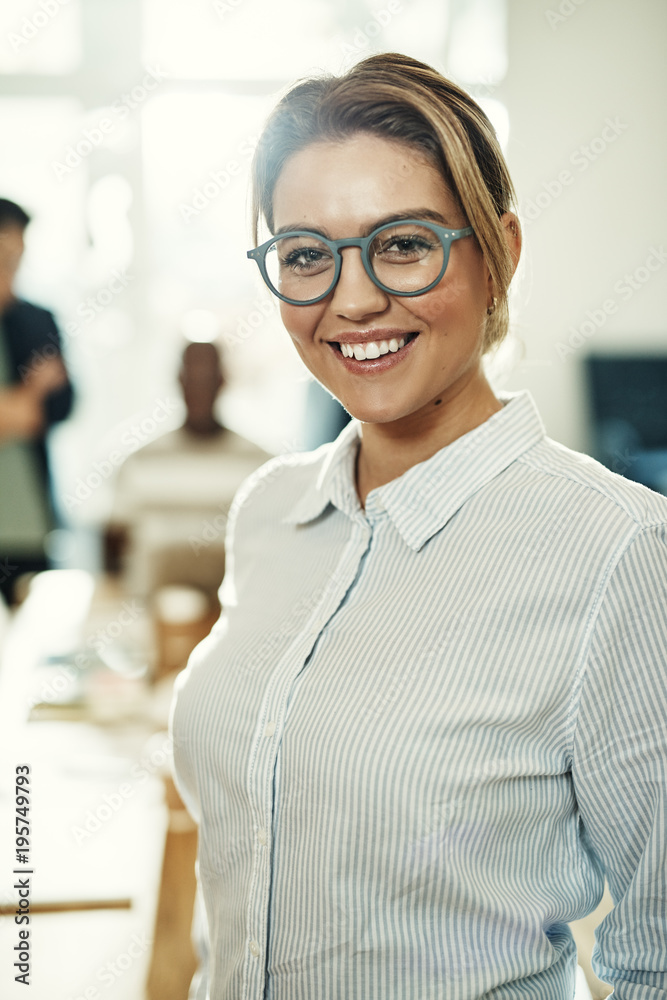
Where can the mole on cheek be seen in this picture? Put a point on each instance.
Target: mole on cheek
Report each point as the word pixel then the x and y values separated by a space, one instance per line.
pixel 437 402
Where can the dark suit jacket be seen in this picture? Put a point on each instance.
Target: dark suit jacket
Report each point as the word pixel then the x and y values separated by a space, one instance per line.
pixel 31 335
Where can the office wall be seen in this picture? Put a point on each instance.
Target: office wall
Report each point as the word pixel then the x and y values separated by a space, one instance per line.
pixel 586 92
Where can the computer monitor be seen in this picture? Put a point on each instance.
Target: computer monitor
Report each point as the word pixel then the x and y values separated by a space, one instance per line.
pixel 628 399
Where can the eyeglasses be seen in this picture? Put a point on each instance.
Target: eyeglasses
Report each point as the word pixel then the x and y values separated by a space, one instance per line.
pixel 402 258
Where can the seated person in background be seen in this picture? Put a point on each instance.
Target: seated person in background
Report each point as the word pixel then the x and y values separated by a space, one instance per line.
pixel 172 496
pixel 34 394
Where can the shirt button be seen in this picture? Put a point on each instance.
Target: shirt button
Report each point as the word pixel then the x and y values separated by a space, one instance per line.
pixel 270 729
pixel 261 836
pixel 254 948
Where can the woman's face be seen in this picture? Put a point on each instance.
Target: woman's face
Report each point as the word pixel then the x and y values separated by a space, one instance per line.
pixel 346 189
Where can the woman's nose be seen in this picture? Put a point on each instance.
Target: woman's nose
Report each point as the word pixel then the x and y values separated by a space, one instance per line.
pixel 355 294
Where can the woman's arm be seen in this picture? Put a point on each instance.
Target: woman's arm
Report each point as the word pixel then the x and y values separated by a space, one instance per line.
pixel 620 767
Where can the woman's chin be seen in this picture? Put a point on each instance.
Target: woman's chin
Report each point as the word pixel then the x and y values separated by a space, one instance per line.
pixel 369 414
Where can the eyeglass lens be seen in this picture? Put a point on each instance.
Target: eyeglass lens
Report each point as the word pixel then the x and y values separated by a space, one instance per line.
pixel 403 257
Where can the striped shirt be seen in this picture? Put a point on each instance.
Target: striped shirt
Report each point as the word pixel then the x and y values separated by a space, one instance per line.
pixel 422 734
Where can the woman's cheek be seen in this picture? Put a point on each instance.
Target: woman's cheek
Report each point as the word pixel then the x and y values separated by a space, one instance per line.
pixel 456 299
pixel 300 321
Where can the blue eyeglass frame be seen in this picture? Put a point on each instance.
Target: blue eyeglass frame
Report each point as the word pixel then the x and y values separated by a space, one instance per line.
pixel 446 237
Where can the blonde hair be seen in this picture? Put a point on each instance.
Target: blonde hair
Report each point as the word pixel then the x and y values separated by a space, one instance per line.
pixel 400 99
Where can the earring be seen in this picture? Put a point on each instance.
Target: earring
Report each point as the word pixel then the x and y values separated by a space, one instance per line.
pixel 492 308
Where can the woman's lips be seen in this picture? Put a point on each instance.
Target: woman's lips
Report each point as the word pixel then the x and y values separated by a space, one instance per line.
pixel 385 360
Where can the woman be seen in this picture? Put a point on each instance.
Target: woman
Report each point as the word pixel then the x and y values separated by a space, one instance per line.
pixel 432 717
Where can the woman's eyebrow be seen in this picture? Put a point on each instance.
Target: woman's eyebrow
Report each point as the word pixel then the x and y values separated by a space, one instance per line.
pixel 427 214
pixel 296 228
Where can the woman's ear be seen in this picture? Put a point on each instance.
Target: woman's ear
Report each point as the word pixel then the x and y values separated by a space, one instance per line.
pixel 512 232
pixel 512 229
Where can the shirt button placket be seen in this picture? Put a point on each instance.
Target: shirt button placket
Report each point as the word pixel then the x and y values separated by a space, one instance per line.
pixel 263 765
pixel 266 752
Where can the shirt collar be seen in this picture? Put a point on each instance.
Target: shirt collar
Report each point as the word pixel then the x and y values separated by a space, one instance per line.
pixel 426 496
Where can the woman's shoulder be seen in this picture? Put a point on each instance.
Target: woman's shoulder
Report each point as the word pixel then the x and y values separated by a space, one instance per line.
pixel 278 484
pixel 583 477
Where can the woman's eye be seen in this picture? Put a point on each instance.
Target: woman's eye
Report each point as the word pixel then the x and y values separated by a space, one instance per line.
pixel 304 258
pixel 405 246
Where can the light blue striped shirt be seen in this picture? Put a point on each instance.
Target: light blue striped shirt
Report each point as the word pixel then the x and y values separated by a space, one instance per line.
pixel 421 735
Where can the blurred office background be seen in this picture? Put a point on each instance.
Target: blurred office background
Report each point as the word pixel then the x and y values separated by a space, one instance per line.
pixel 127 129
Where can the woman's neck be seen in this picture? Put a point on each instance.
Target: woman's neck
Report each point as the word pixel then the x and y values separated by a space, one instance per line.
pixel 388 450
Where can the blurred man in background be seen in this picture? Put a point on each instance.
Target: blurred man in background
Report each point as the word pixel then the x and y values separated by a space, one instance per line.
pixel 173 495
pixel 34 393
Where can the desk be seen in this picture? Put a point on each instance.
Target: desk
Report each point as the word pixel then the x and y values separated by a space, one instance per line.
pixel 98 824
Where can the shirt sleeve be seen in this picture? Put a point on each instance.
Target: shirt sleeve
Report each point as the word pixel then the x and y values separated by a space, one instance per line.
pixel 58 404
pixel 620 768
pixel 34 336
pixel 199 985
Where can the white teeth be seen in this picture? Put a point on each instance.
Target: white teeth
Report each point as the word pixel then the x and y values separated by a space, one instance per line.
pixel 371 350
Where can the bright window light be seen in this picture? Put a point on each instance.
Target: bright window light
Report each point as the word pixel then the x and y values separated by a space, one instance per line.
pixel 477 42
pixel 200 326
pixel 236 39
pixel 40 37
pixel 259 40
pixel 109 227
pixel 499 117
pixel 33 129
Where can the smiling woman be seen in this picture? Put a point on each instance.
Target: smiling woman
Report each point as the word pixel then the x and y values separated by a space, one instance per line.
pixel 348 188
pixel 430 720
